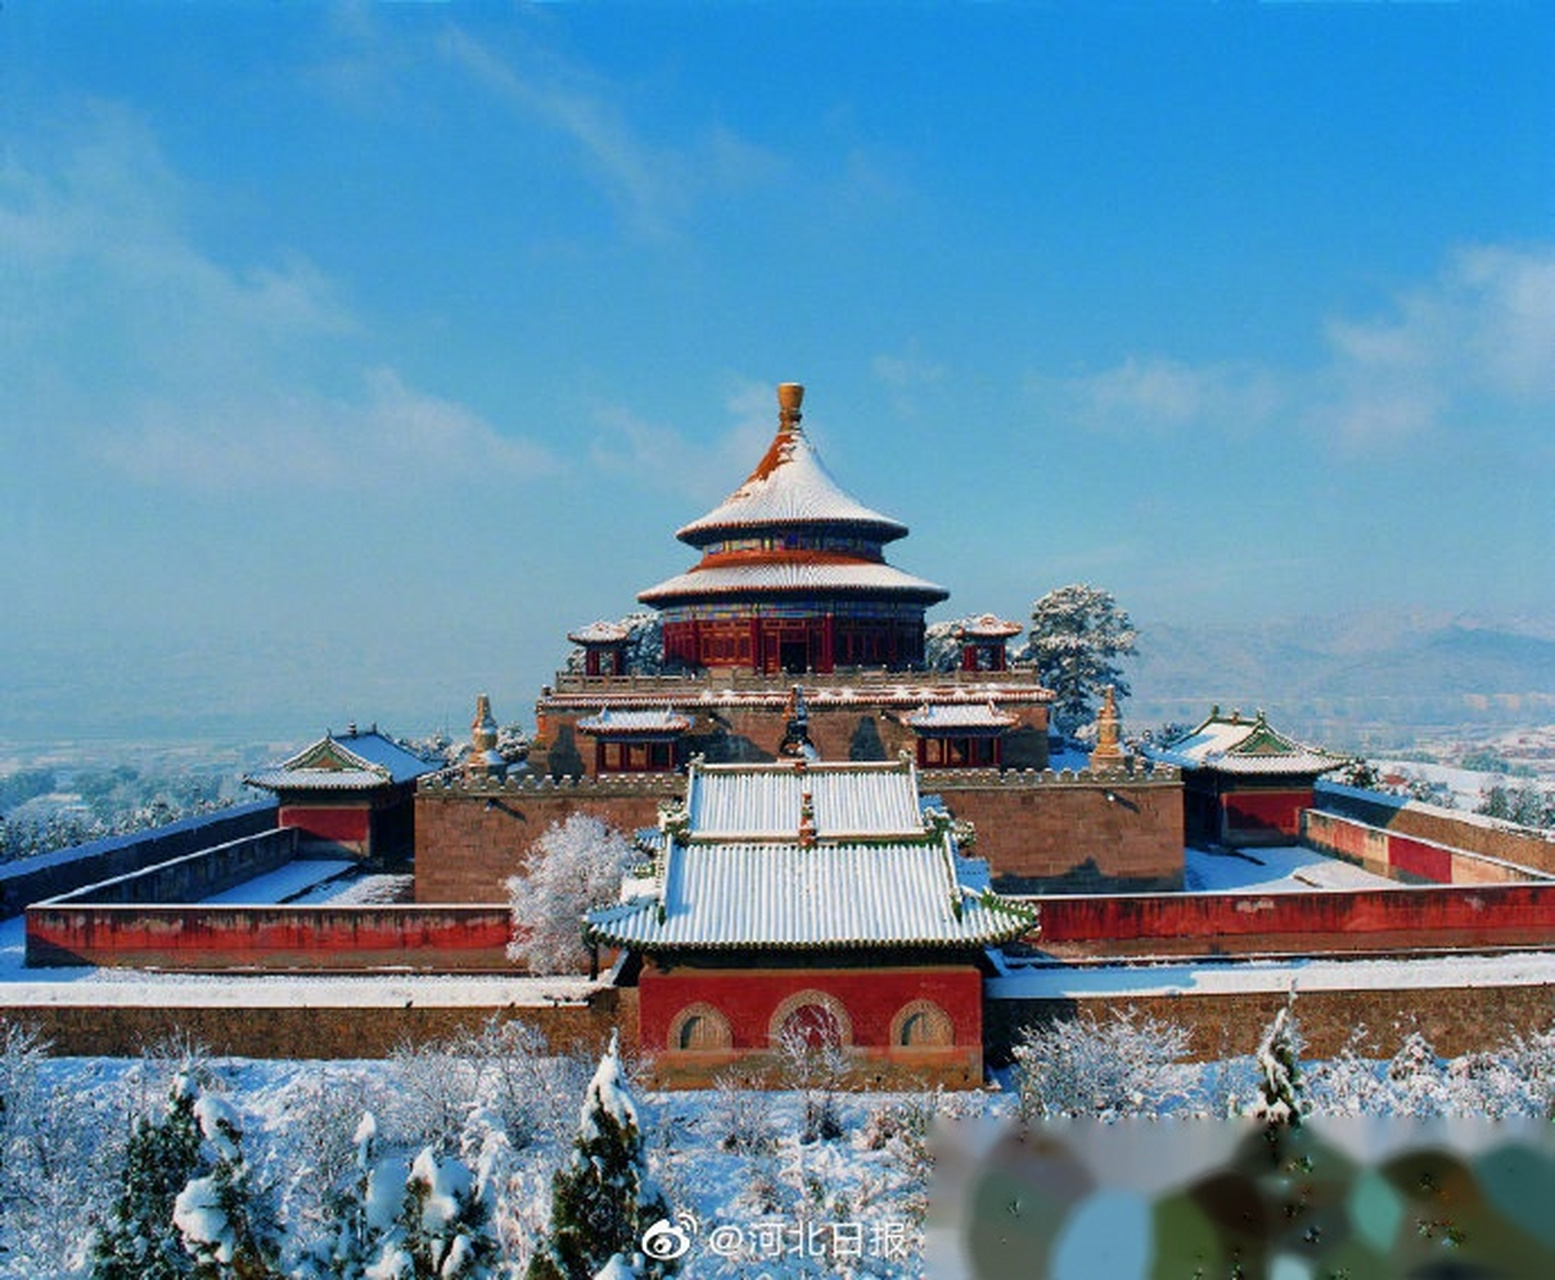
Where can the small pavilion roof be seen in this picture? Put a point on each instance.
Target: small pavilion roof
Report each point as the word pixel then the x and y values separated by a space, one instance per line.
pixel 1236 745
pixel 987 626
pixel 599 633
pixel 794 577
pixel 962 717
pixel 352 762
pixel 642 722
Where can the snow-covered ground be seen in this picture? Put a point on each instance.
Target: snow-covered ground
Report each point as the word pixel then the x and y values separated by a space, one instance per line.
pixel 1281 869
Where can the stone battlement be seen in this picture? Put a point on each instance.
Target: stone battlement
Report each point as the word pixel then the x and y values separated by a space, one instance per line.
pixel 1013 779
pixel 717 680
pixel 608 785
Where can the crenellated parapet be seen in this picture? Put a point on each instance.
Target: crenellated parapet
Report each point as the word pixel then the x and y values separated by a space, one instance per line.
pixel 604 786
pixel 1142 774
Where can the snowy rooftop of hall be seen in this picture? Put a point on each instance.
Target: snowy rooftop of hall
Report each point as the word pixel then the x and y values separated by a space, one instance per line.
pixel 790 486
pixel 793 575
pixel 613 720
pixel 763 802
pixel 1234 744
pixel 943 717
pixel 784 895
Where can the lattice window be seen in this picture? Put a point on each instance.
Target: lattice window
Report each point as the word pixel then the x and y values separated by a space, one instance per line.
pixel 700 1026
pixel 922 1024
pixel 813 1017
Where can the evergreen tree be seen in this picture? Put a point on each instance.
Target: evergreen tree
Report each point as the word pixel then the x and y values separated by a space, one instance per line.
pixel 1076 633
pixel 443 1229
pixel 226 1219
pixel 140 1242
pixel 603 1201
pixel 1281 1099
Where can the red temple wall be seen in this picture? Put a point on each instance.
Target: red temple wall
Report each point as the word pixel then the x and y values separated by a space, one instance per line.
pixel 344 824
pixel 1252 813
pixel 871 998
pixel 1352 920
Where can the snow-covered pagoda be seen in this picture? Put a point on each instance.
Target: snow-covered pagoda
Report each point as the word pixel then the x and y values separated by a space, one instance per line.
pixel 809 900
pixel 1244 782
pixel 793 577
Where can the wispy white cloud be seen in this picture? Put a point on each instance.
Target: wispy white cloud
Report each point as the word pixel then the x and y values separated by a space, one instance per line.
pixel 1156 395
pixel 660 456
pixel 139 350
pixel 1474 341
pixel 906 378
pixel 654 185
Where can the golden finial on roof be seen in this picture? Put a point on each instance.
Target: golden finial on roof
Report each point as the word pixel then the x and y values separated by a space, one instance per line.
pixel 484 759
pixel 790 397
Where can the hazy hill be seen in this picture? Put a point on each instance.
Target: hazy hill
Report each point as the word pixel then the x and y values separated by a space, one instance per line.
pixel 1361 679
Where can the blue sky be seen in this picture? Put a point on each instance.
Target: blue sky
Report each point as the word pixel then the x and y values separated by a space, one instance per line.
pixel 350 355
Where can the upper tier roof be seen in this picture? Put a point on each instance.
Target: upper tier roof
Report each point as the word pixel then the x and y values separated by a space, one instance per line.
pixel 790 488
pixel 763 802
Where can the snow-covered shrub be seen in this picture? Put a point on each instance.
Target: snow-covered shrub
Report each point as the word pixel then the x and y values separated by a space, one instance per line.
pixel 433 1089
pixel 603 1200
pixel 443 1228
pixel 814 1063
pixel 1122 1066
pixel 739 1117
pixel 1417 1079
pixel 574 866
pixel 1533 1058
pixel 518 1080
pixel 322 1149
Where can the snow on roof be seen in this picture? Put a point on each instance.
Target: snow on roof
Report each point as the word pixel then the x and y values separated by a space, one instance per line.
pixel 847 894
pixel 665 720
pixel 987 626
pixel 965 717
pixel 793 576
pixel 352 762
pixel 1235 745
pixel 790 486
pixel 599 633
pixel 762 802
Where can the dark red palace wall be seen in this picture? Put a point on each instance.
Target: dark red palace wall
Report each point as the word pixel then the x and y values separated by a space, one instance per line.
pixel 873 1005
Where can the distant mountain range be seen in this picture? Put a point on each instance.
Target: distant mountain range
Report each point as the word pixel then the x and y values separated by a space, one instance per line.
pixel 1359 680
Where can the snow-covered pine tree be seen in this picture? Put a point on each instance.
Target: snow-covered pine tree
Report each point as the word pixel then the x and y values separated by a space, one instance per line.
pixel 443 1229
pixel 603 1200
pixel 139 1241
pixel 1280 1101
pixel 1076 633
pixel 227 1220
pixel 574 865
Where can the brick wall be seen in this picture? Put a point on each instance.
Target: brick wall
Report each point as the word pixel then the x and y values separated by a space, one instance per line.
pixel 317 1031
pixel 470 838
pixel 1047 833
pixel 1405 857
pixel 1040 831
pixel 194 875
pixel 1457 1020
pixel 64 870
pixel 1471 832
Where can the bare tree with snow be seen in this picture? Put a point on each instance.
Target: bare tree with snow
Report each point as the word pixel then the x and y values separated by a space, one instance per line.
pixel 574 866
